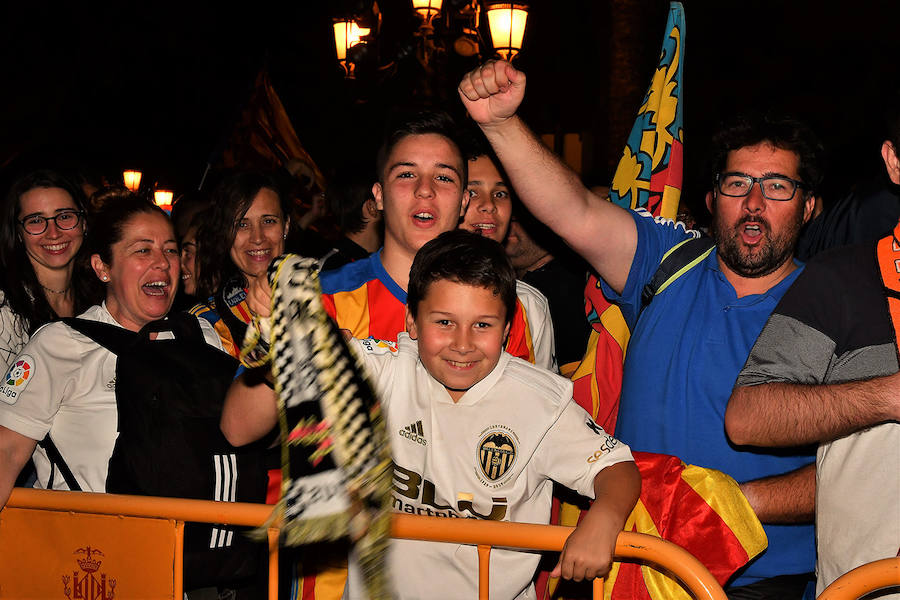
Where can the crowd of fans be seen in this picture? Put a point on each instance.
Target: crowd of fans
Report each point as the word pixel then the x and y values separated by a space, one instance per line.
pixel 810 432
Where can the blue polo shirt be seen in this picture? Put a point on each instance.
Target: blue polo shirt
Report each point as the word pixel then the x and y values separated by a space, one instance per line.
pixel 683 358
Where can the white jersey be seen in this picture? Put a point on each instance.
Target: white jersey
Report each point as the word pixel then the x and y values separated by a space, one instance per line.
pixel 64 383
pixel 540 324
pixel 13 333
pixel 491 455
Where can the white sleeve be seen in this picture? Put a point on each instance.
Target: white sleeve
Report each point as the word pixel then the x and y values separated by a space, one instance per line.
pixel 37 381
pixel 377 358
pixel 576 449
pixel 540 325
pixel 13 336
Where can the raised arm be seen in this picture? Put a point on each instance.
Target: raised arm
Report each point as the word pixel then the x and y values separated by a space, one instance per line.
pixel 603 233
pixel 792 414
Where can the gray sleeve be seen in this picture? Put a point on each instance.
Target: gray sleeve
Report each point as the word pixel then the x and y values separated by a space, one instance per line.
pixel 788 351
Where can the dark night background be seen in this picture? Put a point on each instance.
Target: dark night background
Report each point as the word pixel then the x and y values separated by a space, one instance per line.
pixel 157 87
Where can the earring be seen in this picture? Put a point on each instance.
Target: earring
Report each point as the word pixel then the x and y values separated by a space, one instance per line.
pixel 105 278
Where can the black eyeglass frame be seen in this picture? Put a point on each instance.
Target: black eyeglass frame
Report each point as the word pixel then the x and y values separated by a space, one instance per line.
pixel 79 214
pixel 759 180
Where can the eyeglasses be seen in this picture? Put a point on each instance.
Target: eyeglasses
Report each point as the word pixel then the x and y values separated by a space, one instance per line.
pixel 65 220
pixel 774 187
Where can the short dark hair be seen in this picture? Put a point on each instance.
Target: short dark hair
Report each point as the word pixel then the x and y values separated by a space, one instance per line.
pixel 185 209
pixel 466 258
pixel 475 146
pixel 230 201
pixel 892 121
pixel 781 131
pixel 421 122
pixel 109 219
pixel 346 198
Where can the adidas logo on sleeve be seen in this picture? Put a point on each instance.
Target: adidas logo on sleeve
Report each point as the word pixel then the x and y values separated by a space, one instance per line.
pixel 414 432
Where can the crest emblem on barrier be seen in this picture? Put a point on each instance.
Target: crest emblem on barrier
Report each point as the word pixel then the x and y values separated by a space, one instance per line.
pixel 496 454
pixel 90 583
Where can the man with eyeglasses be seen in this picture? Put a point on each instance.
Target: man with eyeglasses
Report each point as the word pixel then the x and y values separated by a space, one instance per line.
pixel 691 341
pixel 824 371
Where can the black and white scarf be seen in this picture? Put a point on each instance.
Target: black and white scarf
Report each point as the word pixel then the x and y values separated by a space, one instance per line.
pixel 336 465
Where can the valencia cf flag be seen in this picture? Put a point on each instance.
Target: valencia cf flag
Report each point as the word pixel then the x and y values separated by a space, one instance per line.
pixel 649 172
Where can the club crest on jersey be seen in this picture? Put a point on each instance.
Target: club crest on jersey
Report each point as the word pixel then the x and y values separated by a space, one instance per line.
pixel 15 380
pixel 496 454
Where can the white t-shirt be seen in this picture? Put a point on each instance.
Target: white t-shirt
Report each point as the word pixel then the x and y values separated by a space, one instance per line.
pixel 537 312
pixel 64 383
pixel 493 454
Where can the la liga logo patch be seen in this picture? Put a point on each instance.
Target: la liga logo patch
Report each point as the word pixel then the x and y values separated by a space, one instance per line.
pixel 19 372
pixel 15 380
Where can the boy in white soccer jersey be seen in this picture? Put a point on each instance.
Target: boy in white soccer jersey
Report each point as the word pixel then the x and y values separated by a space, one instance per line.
pixel 476 432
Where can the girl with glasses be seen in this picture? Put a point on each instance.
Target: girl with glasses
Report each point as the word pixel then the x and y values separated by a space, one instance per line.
pixel 41 236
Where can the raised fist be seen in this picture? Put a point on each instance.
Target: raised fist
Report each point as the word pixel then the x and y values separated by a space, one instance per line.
pixel 492 92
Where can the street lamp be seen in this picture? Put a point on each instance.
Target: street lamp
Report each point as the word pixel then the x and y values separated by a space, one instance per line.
pixel 507 23
pixel 132 180
pixel 163 199
pixel 346 35
pixel 429 9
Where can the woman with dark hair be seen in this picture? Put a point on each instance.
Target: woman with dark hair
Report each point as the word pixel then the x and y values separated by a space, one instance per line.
pixel 41 235
pixel 243 231
pixel 62 385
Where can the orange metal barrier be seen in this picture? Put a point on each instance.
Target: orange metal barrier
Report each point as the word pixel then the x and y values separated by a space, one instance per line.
pixel 483 534
pixel 867 578
pixel 145 527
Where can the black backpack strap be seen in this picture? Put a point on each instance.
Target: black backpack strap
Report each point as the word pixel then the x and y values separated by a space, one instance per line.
pixel 679 259
pixel 57 462
pixel 183 326
pixel 113 338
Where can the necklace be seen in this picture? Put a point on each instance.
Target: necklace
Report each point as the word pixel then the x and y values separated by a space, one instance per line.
pixel 55 291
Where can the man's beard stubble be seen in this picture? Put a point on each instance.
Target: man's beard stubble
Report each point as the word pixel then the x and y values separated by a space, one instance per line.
pixel 762 259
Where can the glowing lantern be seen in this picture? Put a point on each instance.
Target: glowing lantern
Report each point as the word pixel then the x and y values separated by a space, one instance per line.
pixel 507 23
pixel 132 180
pixel 163 199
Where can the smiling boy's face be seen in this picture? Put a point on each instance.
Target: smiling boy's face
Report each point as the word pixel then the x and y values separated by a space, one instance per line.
pixel 460 330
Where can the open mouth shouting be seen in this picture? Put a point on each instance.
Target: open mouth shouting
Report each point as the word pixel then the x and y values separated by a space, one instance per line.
pixel 156 288
pixel 424 218
pixel 752 230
